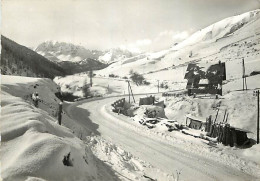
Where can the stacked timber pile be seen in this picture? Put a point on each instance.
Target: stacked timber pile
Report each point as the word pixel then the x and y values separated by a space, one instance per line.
pixel 226 134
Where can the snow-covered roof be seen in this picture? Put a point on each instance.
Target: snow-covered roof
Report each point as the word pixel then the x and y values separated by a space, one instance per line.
pixel 205 71
pixel 204 81
pixel 196 118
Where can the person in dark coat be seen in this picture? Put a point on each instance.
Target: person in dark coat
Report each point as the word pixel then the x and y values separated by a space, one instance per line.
pixel 35 98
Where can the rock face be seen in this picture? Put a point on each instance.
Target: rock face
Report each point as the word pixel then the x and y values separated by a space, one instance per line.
pixel 75 58
pixel 115 55
pixel 20 60
pixel 72 58
pixel 61 51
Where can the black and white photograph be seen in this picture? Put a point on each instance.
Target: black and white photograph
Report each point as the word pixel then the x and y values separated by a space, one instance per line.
pixel 130 90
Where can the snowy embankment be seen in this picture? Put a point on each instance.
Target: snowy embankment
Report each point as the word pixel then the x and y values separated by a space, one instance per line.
pixel 35 147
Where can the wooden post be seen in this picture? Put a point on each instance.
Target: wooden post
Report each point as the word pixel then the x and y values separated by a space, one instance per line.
pixel 224 116
pixel 257 141
pixel 217 131
pixel 216 116
pixel 234 137
pixel 244 75
pixel 228 134
pixel 90 76
pixel 220 136
pixel 158 86
pixel 224 135
pixel 209 123
pixel 128 91
pixel 214 131
pixel 212 127
pixel 60 113
pixel 131 92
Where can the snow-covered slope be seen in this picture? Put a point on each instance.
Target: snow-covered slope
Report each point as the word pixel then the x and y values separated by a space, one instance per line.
pixel 115 55
pixel 222 29
pixel 33 145
pixel 229 40
pixel 20 60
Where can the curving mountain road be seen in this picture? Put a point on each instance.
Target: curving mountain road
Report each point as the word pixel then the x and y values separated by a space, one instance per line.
pixel 91 115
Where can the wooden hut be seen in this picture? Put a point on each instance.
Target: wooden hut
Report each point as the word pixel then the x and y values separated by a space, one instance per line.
pixel 195 122
pixel 205 78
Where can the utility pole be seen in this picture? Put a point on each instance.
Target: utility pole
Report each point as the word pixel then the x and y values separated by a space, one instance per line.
pixel 90 76
pixel 244 75
pixel 256 93
pixel 257 112
pixel 158 85
pixel 60 112
pixel 130 91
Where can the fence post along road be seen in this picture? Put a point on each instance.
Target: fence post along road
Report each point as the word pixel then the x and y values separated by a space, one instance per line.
pixel 256 94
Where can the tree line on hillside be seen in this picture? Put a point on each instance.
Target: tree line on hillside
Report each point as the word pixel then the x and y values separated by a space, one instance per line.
pixel 17 59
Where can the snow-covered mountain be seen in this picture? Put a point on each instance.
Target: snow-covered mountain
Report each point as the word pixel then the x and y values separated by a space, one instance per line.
pixel 75 58
pixel 225 28
pixel 62 51
pixel 72 58
pixel 229 40
pixel 114 55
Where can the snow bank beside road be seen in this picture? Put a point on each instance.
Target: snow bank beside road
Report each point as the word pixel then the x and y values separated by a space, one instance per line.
pixel 33 145
pixel 123 162
pixel 24 86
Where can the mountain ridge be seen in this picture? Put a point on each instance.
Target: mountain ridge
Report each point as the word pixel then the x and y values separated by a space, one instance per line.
pixel 19 60
pixel 229 40
pixel 62 51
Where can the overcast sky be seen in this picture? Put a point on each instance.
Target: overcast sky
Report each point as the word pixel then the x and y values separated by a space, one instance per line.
pixel 139 25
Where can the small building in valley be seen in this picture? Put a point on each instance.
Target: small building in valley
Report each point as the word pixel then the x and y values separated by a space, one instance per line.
pixel 205 78
pixel 195 122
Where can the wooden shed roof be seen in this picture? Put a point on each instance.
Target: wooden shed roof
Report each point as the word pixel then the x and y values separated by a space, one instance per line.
pixel 205 71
